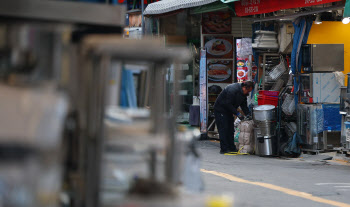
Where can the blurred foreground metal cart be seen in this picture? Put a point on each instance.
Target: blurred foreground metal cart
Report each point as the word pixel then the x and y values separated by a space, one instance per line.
pixel 71 85
pixel 132 153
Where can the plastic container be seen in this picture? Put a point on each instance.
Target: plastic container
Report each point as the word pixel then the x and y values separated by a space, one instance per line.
pixel 267 100
pixel 269 93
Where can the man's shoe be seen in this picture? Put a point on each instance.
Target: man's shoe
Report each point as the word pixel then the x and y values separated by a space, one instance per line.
pixel 234 149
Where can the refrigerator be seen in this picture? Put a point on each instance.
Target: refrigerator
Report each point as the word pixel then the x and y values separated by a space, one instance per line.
pixel 319 88
pixel 310 125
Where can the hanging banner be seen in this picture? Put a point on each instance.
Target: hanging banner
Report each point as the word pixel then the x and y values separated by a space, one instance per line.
pixel 251 7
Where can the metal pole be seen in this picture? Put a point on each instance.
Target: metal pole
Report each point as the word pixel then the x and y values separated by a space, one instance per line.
pixel 153 164
pixel 115 76
pixel 157 99
pixel 250 68
pixel 143 18
pixel 173 155
pixel 97 85
pixel 263 75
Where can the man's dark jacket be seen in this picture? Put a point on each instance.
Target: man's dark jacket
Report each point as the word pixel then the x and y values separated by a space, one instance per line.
pixel 230 99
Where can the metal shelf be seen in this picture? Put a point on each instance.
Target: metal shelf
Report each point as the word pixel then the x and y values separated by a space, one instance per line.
pixel 129 50
pixel 64 11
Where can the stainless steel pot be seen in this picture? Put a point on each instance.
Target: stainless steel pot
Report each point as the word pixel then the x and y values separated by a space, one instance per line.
pixel 267 128
pixel 266 146
pixel 264 113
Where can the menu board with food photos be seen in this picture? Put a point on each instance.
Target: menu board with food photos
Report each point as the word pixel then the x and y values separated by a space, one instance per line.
pixel 216 23
pixel 220 71
pixel 219 47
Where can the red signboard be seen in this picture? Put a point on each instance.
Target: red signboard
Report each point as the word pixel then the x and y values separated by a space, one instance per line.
pixel 251 7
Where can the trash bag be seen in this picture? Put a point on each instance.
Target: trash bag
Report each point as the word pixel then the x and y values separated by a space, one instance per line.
pixel 246 137
pixel 237 124
pixel 293 146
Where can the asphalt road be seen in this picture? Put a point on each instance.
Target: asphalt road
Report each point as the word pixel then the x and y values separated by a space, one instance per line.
pixel 257 181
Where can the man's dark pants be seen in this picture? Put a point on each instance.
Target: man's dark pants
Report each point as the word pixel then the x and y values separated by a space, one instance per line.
pixel 225 125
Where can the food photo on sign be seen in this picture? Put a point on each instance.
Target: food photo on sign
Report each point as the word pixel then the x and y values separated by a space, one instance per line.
pixel 243 65
pixel 219 47
pixel 216 23
pixel 220 71
pixel 242 69
pixel 242 74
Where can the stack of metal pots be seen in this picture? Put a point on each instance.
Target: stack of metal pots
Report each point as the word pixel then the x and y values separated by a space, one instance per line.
pixel 264 117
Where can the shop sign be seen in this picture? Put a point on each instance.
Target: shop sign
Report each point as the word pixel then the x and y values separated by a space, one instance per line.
pixel 251 7
pixel 216 23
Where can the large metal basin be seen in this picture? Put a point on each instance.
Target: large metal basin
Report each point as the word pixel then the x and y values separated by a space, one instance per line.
pixel 264 113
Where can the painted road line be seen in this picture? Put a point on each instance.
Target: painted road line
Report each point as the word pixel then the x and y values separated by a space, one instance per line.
pixel 332 184
pixel 341 162
pixel 278 188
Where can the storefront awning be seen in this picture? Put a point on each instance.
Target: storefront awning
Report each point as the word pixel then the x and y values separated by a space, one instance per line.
pixel 166 6
pixel 251 7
